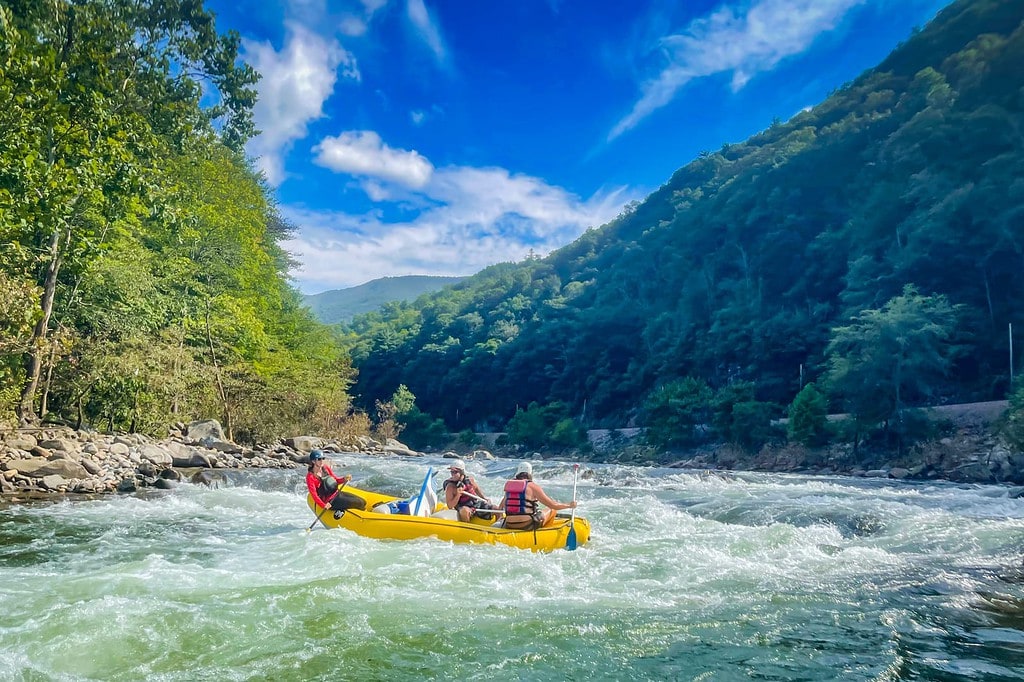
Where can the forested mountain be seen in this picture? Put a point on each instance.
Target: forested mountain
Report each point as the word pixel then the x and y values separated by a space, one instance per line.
pixel 142 279
pixel 341 305
pixel 743 267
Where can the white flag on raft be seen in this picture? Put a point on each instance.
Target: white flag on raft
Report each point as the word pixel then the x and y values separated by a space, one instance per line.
pixel 423 502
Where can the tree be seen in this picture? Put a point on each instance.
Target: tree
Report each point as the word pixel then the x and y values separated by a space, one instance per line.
pixel 675 410
pixel 419 430
pixel 892 355
pixel 808 415
pixel 94 93
pixel 540 425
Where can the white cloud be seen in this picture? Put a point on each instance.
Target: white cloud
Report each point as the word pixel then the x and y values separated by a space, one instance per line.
pixel 730 40
pixel 295 84
pixel 472 218
pixel 363 153
pixel 357 22
pixel 427 29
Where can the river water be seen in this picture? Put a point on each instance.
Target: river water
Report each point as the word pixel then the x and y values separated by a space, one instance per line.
pixel 688 576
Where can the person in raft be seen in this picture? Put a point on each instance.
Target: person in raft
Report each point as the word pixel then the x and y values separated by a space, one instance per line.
pixel 462 494
pixel 323 486
pixel 522 496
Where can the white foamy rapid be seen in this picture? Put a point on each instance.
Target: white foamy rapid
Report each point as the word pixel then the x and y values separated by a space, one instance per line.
pixel 687 576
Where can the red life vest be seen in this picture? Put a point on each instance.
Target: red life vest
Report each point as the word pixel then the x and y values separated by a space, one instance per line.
pixel 516 502
pixel 465 486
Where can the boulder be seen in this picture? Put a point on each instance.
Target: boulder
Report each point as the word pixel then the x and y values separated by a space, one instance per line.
pixel 118 449
pixel 401 450
pixel 206 428
pixel 193 458
pixel 53 482
pixel 156 454
pixel 224 446
pixel 207 478
pixel 21 441
pixel 367 444
pixel 38 468
pixel 303 443
pixel 92 467
pixel 39 451
pixel 59 444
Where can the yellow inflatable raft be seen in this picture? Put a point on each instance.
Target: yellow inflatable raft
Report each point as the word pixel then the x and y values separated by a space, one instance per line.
pixel 442 526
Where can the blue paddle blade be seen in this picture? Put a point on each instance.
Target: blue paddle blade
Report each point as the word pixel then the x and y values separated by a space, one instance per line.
pixel 570 539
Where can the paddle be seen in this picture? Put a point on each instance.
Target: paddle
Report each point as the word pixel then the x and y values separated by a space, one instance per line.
pixel 479 511
pixel 327 505
pixel 570 539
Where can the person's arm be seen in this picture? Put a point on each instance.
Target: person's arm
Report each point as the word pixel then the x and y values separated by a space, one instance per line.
pixel 313 483
pixel 343 479
pixel 477 491
pixel 451 493
pixel 542 497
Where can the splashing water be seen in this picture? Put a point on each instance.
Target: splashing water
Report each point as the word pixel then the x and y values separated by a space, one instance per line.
pixel 686 577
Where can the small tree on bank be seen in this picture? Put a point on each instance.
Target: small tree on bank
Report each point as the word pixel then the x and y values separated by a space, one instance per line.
pixel 885 358
pixel 674 411
pixel 808 416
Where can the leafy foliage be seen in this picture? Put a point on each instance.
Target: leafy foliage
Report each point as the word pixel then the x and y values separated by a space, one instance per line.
pixel 1012 425
pixel 676 410
pixel 540 425
pixel 419 430
pixel 141 251
pixel 808 416
pixel 890 356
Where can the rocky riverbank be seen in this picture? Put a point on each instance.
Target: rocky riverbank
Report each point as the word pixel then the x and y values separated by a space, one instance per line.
pixel 970 449
pixel 48 461
pixel 55 461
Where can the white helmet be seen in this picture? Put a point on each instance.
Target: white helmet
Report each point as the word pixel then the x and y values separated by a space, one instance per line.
pixel 524 468
pixel 458 464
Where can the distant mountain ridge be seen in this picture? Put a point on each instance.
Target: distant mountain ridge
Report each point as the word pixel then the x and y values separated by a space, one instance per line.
pixel 341 305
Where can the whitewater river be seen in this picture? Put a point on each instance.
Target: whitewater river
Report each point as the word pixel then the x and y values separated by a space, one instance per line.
pixel 688 576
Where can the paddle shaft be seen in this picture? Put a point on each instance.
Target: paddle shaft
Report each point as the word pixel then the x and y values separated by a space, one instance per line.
pixel 570 539
pixel 575 472
pixel 475 497
pixel 482 499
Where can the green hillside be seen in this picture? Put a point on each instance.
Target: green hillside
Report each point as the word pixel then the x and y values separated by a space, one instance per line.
pixel 766 261
pixel 142 277
pixel 341 305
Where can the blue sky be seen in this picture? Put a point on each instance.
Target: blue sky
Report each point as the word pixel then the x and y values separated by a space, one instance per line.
pixel 442 136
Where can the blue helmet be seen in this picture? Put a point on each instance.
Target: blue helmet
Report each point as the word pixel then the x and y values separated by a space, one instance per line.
pixel 315 455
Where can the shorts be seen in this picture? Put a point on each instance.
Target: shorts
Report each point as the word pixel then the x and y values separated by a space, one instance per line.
pixel 525 521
